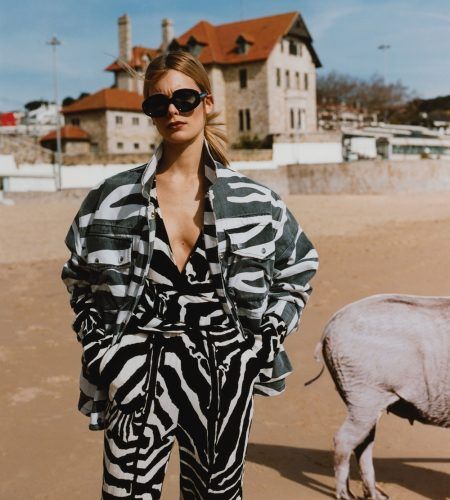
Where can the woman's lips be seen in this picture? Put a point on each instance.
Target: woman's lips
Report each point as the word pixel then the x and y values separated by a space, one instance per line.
pixel 176 125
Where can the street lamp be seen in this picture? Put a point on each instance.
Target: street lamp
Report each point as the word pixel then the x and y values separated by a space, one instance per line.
pixel 54 42
pixel 384 48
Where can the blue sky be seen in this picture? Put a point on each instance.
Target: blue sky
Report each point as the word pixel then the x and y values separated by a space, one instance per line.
pixel 346 35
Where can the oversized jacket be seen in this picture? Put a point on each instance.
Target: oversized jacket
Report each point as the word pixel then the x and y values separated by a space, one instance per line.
pixel 260 262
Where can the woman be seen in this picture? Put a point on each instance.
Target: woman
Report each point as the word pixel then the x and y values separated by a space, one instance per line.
pixel 185 278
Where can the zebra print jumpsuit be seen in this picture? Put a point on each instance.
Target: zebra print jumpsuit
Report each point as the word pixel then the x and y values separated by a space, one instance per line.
pixel 180 371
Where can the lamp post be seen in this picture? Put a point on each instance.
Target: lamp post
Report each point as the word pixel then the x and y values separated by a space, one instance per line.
pixel 384 48
pixel 54 42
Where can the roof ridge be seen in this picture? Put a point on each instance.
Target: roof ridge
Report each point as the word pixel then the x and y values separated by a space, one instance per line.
pixel 257 18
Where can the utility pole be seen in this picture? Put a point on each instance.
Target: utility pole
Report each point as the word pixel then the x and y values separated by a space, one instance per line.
pixel 384 48
pixel 54 42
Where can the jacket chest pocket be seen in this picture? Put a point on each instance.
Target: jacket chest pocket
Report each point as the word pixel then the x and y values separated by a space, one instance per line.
pixel 108 251
pixel 109 259
pixel 250 264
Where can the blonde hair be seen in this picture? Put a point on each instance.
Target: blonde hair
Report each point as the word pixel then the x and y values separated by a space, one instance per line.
pixel 189 65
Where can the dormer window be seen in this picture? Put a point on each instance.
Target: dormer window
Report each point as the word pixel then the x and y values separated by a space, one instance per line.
pixel 194 47
pixel 243 44
pixel 293 47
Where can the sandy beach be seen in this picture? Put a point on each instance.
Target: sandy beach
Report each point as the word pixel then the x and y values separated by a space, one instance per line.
pixel 367 244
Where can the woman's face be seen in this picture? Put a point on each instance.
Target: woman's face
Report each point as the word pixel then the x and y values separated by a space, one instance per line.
pixel 190 124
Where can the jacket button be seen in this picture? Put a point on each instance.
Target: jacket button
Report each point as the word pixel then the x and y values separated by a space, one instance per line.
pixel 96 261
pixel 263 250
pixel 121 259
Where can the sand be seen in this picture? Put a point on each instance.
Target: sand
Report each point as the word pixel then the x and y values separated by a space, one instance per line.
pixel 367 245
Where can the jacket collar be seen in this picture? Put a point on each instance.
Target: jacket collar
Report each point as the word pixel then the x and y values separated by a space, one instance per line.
pixel 212 167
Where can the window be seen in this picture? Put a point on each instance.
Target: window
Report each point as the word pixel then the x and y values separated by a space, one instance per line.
pixel 292 118
pixel 241 120
pixel 278 77
pixel 243 78
pixel 297 79
pixel 136 145
pixel 119 144
pixel 244 120
pixel 94 147
pixel 119 121
pixel 299 119
pixel 242 46
pixel 300 49
pixel 288 83
pixel 247 119
pixel 281 45
pixel 75 122
pixel 152 147
pixel 135 120
pixel 306 81
pixel 292 47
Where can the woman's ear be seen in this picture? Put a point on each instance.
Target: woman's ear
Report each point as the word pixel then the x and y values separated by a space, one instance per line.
pixel 209 104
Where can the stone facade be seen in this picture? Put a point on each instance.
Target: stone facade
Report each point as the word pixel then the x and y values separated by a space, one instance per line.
pixel 292 89
pixel 117 132
pixel 129 132
pixel 94 123
pixel 75 147
pixel 246 107
pixel 263 107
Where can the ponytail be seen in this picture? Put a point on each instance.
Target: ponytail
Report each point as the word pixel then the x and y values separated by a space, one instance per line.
pixel 216 138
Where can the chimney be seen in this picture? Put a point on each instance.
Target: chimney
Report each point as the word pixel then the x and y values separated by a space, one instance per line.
pixel 167 34
pixel 125 38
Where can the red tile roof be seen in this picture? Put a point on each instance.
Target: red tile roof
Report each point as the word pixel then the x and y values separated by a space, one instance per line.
pixel 68 132
pixel 106 99
pixel 263 34
pixel 137 58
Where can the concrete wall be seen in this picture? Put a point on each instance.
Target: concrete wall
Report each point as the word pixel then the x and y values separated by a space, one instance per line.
pixel 307 152
pixel 378 176
pixel 370 176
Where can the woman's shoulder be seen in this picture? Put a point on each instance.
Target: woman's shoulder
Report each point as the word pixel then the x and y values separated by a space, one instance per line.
pixel 117 187
pixel 239 183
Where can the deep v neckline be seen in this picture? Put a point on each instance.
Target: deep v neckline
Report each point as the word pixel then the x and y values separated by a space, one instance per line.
pixel 167 239
pixel 169 246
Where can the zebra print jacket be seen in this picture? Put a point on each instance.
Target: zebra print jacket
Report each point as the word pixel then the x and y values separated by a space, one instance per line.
pixel 260 261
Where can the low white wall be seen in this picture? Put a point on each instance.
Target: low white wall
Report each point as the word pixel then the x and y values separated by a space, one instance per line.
pixel 307 152
pixel 87 176
pixel 365 147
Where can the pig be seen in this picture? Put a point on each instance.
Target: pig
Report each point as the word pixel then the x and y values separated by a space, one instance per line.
pixel 385 352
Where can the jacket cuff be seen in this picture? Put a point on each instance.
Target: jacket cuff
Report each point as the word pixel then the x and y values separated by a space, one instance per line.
pixel 271 335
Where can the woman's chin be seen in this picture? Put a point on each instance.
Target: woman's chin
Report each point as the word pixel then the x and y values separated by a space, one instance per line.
pixel 180 136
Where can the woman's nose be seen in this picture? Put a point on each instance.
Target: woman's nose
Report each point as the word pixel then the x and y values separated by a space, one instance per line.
pixel 172 110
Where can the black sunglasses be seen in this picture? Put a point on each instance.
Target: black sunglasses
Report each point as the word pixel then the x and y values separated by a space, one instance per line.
pixel 184 100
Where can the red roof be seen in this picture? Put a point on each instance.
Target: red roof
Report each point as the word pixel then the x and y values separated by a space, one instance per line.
pixel 7 119
pixel 137 58
pixel 106 99
pixel 220 42
pixel 68 132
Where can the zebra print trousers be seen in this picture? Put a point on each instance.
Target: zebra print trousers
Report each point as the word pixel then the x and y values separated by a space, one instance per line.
pixel 196 387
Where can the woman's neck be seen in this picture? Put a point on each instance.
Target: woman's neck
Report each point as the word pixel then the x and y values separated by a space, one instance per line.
pixel 182 160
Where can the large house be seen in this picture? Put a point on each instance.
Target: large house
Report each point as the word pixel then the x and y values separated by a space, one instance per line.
pixel 263 75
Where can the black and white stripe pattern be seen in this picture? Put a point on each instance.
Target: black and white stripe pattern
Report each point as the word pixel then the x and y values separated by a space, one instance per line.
pixel 195 387
pixel 261 263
